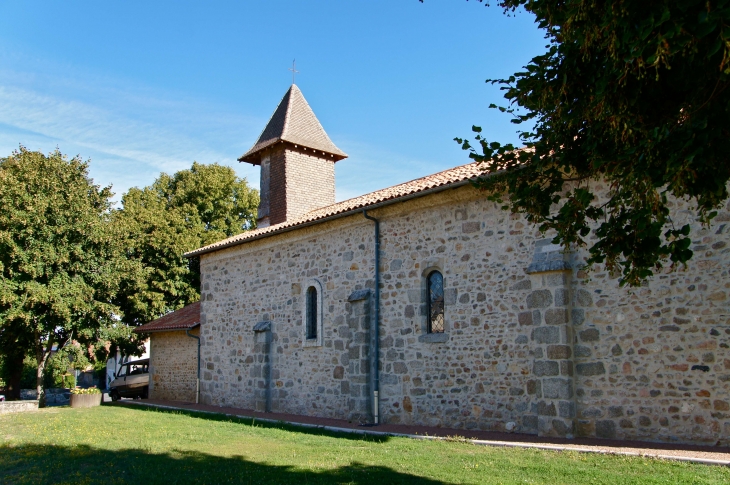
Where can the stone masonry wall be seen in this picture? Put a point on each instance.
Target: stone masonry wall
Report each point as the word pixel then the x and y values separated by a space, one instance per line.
pixel 173 365
pixel 652 363
pixel 549 351
pixel 7 407
pixel 239 293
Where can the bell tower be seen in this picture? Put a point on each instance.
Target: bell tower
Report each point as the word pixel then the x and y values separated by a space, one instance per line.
pixel 297 161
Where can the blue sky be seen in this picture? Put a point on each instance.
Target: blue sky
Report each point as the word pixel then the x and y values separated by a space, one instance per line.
pixel 143 87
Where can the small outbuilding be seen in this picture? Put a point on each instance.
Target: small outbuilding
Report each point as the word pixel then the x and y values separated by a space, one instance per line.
pixel 174 354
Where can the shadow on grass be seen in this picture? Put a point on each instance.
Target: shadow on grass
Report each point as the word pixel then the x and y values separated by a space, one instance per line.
pixel 46 464
pixel 260 424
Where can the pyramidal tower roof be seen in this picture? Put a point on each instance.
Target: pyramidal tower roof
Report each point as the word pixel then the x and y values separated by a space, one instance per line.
pixel 293 122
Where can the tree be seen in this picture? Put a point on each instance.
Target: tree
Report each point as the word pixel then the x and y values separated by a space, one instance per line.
pixel 60 259
pixel 633 93
pixel 174 215
pixel 212 197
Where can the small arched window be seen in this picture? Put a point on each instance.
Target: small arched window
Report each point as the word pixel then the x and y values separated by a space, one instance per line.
pixel 435 282
pixel 312 313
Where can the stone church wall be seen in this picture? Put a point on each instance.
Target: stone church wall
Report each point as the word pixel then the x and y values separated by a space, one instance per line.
pixel 173 361
pixel 529 346
pixel 652 363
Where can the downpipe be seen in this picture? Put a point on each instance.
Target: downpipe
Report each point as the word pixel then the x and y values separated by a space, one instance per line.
pixel 376 351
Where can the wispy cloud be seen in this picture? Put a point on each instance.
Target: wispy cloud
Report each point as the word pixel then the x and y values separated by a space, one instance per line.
pixel 130 135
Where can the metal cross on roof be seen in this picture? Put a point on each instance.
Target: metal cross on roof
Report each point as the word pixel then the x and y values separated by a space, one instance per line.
pixel 293 70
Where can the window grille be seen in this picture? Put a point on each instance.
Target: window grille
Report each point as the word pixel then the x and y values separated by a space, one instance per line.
pixel 435 283
pixel 311 312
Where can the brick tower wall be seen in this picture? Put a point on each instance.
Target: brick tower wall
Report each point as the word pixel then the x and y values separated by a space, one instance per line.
pixel 277 187
pixel 301 181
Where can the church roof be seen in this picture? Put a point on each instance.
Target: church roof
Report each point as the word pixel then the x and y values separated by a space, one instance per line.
pixel 447 179
pixel 183 319
pixel 293 121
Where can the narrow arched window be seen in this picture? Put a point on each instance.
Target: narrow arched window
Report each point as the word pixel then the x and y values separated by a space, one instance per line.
pixel 311 312
pixel 435 284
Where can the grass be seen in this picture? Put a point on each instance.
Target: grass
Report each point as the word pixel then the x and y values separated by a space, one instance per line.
pixel 117 444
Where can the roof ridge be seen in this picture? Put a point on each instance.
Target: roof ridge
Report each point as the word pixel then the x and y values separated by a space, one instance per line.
pixel 287 117
pixel 391 187
pixel 269 122
pixel 456 175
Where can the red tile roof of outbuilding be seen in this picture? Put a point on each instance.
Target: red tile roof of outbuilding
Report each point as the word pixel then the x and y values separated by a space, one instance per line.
pixel 183 319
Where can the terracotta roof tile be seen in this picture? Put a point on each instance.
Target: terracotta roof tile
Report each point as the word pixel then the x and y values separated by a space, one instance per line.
pixel 454 175
pixel 293 121
pixel 183 319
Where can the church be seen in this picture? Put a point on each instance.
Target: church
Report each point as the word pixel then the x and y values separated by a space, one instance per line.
pixel 425 303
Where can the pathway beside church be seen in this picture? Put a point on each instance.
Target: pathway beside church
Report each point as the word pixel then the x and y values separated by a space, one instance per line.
pixel 705 454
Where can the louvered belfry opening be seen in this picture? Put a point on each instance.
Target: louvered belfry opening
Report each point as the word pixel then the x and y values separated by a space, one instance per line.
pixel 297 161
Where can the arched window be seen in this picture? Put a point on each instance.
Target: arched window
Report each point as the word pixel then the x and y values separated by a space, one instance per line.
pixel 312 313
pixel 435 282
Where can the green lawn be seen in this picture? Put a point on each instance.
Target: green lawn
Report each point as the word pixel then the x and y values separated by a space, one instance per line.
pixel 116 444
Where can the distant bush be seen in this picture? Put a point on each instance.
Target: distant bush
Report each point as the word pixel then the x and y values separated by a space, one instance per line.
pixel 53 375
pixel 58 365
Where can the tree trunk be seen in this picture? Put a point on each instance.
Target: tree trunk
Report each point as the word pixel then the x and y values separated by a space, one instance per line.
pixel 42 357
pixel 40 392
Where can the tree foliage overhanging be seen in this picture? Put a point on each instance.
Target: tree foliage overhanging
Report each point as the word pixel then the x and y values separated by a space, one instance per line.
pixel 630 92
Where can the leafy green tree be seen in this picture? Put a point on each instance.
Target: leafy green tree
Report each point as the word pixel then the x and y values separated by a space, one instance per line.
pixel 213 197
pixel 60 259
pixel 630 92
pixel 174 215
